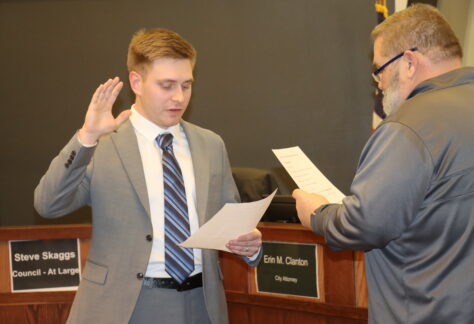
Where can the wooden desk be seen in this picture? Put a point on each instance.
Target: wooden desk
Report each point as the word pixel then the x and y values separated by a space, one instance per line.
pixel 343 288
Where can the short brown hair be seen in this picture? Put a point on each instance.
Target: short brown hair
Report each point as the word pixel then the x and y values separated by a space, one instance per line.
pixel 421 26
pixel 148 45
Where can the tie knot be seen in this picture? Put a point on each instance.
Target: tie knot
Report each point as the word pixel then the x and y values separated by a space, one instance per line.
pixel 165 140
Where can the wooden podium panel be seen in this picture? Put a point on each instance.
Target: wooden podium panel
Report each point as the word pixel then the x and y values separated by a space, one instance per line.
pixel 37 307
pixel 343 289
pixel 342 283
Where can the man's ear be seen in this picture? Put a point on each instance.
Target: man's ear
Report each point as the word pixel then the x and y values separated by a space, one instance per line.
pixel 135 82
pixel 412 64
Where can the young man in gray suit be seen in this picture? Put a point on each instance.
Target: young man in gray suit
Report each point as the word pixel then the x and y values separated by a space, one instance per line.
pixel 151 180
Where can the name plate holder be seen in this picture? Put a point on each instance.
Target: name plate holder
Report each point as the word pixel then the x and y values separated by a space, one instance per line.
pixel 44 265
pixel 292 270
pixel 337 278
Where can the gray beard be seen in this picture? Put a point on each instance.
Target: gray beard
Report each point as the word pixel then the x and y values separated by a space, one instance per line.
pixel 391 96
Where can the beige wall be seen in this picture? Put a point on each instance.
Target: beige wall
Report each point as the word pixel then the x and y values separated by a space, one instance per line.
pixel 469 37
pixel 459 14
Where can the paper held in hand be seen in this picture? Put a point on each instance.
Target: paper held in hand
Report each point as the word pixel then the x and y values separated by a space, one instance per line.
pixel 306 175
pixel 230 222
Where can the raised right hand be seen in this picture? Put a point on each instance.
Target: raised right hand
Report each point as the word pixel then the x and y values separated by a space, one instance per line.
pixel 99 119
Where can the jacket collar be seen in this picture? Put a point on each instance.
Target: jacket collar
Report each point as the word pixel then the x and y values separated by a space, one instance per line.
pixel 126 144
pixel 451 79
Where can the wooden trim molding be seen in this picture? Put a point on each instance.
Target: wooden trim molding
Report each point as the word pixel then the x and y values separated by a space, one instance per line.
pixel 41 232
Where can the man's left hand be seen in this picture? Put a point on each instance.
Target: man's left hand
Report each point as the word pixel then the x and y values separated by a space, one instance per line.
pixel 306 204
pixel 247 244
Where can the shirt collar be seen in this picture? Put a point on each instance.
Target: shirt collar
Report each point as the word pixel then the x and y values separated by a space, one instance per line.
pixel 149 129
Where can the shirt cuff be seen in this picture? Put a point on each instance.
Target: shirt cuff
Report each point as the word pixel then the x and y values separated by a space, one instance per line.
pixel 85 145
pixel 255 256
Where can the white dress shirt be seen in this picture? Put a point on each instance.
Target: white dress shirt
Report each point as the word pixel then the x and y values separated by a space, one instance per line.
pixel 150 153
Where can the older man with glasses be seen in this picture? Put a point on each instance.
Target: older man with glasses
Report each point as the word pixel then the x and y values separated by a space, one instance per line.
pixel 411 206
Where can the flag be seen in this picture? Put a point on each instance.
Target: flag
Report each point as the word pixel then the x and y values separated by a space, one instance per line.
pixel 378 114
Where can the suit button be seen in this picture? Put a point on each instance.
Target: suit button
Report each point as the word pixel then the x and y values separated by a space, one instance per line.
pixel 73 153
pixel 140 275
pixel 149 237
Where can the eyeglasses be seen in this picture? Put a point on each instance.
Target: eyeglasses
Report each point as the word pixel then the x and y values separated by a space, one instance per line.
pixel 376 73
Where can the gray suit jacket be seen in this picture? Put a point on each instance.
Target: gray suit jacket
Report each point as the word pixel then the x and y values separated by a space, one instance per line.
pixel 111 180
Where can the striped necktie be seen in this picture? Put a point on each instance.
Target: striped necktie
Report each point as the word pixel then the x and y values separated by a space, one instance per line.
pixel 179 262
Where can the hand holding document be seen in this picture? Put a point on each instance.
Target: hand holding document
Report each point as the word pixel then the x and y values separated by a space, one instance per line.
pixel 229 223
pixel 306 175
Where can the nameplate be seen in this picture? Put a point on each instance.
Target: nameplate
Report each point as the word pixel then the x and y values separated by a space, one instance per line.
pixel 44 265
pixel 289 269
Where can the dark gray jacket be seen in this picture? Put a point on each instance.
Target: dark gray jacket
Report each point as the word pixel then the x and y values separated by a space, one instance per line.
pixel 411 207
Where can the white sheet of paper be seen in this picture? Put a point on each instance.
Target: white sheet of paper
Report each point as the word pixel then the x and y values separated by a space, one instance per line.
pixel 306 175
pixel 227 224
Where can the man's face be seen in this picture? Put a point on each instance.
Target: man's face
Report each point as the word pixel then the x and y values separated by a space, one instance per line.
pixel 391 94
pixel 163 94
pixel 389 80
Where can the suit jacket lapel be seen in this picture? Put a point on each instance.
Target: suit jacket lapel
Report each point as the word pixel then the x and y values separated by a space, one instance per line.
pixel 200 157
pixel 126 144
